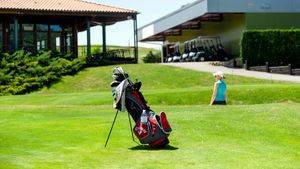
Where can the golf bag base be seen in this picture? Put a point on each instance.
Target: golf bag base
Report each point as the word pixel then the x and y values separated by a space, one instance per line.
pixel 154 130
pixel 160 143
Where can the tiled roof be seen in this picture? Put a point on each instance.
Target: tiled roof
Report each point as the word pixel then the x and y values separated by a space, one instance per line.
pixel 61 6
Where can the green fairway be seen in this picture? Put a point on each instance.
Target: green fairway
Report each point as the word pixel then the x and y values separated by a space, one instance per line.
pixel 65 126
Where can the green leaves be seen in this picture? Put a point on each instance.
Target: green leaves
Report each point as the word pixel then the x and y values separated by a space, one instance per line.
pixel 23 72
pixel 152 57
pixel 278 47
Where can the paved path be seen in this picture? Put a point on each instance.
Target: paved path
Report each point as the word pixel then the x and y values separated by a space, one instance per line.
pixel 206 67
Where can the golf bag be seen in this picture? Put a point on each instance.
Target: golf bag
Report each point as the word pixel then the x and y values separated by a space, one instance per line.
pixel 149 128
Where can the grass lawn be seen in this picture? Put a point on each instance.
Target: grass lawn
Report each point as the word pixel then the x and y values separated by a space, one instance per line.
pixel 65 126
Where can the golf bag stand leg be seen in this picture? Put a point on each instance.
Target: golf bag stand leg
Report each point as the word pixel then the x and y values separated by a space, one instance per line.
pixel 130 125
pixel 111 128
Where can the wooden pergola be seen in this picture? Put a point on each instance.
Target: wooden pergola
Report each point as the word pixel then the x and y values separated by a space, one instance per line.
pixel 54 25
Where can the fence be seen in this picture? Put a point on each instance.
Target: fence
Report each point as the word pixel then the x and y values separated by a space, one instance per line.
pixel 112 51
pixel 113 55
pixel 275 69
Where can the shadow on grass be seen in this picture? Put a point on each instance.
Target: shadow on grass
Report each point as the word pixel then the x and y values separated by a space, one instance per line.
pixel 145 147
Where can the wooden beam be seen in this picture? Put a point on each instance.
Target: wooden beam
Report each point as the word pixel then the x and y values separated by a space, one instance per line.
pixel 63 41
pixel 16 33
pixel 49 38
pixel 135 31
pixel 104 38
pixel 75 38
pixel 21 33
pixel 88 35
pixel 6 34
pixel 35 37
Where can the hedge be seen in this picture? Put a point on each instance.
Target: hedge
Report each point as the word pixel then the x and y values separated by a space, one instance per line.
pixel 152 57
pixel 23 72
pixel 278 47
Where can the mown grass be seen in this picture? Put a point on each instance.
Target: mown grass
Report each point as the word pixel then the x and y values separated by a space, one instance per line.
pixel 66 125
pixel 55 136
pixel 238 95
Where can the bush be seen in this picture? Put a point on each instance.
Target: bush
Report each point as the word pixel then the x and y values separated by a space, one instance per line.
pixel 278 47
pixel 23 72
pixel 152 57
pixel 96 50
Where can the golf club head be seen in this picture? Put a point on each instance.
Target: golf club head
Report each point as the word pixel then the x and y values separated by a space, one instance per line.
pixel 119 74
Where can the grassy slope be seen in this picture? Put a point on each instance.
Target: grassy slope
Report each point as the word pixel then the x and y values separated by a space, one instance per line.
pixel 66 125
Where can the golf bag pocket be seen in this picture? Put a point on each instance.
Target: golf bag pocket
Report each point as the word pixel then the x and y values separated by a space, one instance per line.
pixel 141 130
pixel 164 123
pixel 156 128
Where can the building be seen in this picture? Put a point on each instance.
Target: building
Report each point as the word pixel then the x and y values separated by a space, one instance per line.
pixel 35 25
pixel 224 18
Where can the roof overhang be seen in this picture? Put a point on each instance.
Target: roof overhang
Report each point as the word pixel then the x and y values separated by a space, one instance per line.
pixel 192 15
pixel 97 17
pixel 66 8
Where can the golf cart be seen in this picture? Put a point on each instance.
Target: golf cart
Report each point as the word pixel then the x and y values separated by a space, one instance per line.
pixel 200 55
pixel 193 50
pixel 176 54
pixel 186 52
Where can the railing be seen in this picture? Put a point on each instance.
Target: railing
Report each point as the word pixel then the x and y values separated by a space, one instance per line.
pixel 114 55
pixel 282 69
pixel 275 69
pixel 296 71
pixel 120 54
pixel 112 51
pixel 259 68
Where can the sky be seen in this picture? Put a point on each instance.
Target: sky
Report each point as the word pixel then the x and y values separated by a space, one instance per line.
pixel 122 33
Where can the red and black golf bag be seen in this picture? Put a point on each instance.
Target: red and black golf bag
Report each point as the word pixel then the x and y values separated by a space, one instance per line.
pixel 149 128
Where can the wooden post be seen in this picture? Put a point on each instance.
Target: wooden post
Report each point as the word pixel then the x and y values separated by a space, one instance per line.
pixel 104 39
pixel 88 35
pixel 267 67
pixel 136 47
pixel 246 66
pixel 6 34
pixel 3 33
pixel 75 38
pixel 234 62
pixel 16 33
pixel 163 50
pixel 35 37
pixel 21 36
pixel 49 38
pixel 63 41
pixel 290 69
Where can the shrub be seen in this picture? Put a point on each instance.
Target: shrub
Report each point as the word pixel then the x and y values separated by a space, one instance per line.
pixel 152 57
pixel 278 47
pixel 23 72
pixel 96 50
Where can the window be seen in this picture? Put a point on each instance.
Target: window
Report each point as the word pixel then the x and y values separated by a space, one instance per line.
pixel 55 37
pixel 42 33
pixel 69 43
pixel 68 39
pixel 28 40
